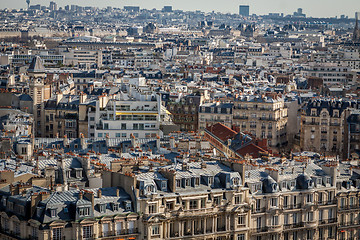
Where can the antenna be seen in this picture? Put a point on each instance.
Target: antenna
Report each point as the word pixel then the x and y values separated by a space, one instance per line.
pixel 28 4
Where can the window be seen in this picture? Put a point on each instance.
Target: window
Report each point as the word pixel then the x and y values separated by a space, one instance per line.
pixel 241 219
pixel 102 208
pixel 309 198
pixel 117 135
pixel 295 217
pixel 115 207
pixel 152 208
pixel 100 135
pixel 53 213
pixel 286 201
pixel 241 237
pixel 84 211
pixel 238 199
pixel 274 202
pixel 17 228
pixel 178 183
pixel 217 200
pixel 309 216
pixel 197 181
pixel 87 232
pixel 321 213
pixel 105 229
pixel 275 221
pixel 57 233
pixel 155 230
pixel 309 235
pixel 286 219
pixel 193 204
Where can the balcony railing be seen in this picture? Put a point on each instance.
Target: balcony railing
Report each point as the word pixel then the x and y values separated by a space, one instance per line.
pixel 260 229
pixel 327 221
pixel 119 232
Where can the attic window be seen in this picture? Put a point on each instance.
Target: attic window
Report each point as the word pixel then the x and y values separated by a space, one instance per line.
pixel 53 212
pixel 210 181
pixel 115 207
pixel 84 211
pixel 102 208
pixel 197 181
pixel 236 181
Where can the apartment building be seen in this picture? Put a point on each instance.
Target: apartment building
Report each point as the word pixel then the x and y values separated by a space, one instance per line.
pixel 331 73
pixel 352 134
pixel 32 212
pixel 83 57
pixel 293 202
pixel 189 200
pixel 212 113
pixel 185 112
pixel 263 117
pixel 136 112
pixel 323 125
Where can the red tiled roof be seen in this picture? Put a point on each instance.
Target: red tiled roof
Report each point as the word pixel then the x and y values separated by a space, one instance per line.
pixel 252 150
pixel 221 131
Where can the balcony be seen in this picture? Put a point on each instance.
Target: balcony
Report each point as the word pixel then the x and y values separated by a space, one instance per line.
pixel 327 221
pixel 240 117
pixel 348 224
pixel 293 226
pixel 111 234
pixel 258 210
pixel 260 230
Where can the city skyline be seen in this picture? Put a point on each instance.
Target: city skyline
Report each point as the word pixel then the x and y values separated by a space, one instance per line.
pixel 259 7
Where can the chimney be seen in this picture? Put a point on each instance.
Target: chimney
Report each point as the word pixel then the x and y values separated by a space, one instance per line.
pixel 80 195
pixel 157 142
pixel 99 193
pixel 107 139
pixel 203 164
pixel 83 141
pixel 59 96
pixel 172 142
pixel 117 192
pixel 66 141
pixel 185 166
pixel 82 97
pixel 133 141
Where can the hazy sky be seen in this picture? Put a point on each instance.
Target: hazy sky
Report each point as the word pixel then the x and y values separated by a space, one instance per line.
pixel 316 8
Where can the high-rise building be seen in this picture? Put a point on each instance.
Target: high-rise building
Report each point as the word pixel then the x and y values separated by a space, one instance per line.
pixel 53 6
pixel 167 9
pixel 244 10
pixel 356 35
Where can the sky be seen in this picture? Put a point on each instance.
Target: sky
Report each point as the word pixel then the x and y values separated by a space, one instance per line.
pixel 314 8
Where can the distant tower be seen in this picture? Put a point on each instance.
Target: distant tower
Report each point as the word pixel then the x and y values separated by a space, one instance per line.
pixel 28 3
pixel 244 10
pixel 356 35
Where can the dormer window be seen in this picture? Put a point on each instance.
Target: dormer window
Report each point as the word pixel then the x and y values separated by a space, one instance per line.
pixel 115 207
pixel 236 181
pixel 178 183
pixel 84 211
pixel 197 181
pixel 150 188
pixel 53 213
pixel 102 208
pixel 187 182
pixel 210 181
pixel 163 185
pixel 127 205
